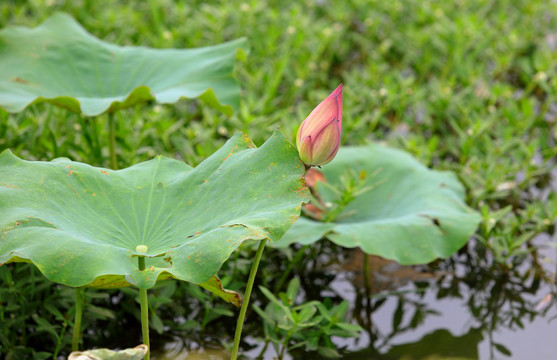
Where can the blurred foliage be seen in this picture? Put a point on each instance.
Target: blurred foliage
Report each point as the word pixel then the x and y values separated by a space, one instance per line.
pixel 309 325
pixel 468 86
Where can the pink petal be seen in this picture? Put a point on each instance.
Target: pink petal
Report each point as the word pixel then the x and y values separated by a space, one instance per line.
pixel 325 144
pixel 305 150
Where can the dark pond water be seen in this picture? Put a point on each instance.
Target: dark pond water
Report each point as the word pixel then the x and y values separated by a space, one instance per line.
pixel 466 307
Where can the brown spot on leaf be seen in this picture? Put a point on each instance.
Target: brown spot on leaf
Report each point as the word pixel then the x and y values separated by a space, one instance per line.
pixel 75 192
pixel 17 79
pixel 227 156
pixel 16 224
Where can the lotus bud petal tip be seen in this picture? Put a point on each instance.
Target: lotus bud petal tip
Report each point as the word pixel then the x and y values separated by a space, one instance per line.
pixel 318 138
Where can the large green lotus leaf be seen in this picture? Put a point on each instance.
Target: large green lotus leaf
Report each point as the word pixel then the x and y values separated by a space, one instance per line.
pixel 410 213
pixel 61 63
pixel 82 225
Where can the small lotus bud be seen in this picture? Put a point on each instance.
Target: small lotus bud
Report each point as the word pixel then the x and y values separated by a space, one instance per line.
pixel 318 137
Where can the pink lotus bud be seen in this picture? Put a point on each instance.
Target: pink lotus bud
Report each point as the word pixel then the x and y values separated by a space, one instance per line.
pixel 318 137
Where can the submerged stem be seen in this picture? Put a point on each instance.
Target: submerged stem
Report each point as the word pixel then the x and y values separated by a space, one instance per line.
pixel 368 292
pixel 112 141
pixel 297 258
pixel 247 295
pixel 366 275
pixel 144 304
pixel 78 315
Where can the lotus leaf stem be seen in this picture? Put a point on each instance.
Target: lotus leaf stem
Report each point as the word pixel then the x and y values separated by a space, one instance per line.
pixel 367 272
pixel 245 302
pixel 112 141
pixel 78 315
pixel 144 304
pixel 297 258
pixel 368 292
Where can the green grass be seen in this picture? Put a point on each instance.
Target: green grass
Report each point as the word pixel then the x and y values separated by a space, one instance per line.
pixel 468 86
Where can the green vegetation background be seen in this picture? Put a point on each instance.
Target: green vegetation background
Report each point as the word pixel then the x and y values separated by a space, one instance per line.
pixel 468 86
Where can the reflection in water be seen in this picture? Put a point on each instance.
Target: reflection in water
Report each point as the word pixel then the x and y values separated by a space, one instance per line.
pixel 467 307
pixel 483 309
pixel 175 350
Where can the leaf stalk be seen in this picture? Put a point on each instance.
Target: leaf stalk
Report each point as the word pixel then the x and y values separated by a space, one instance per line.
pixel 144 304
pixel 112 141
pixel 78 316
pixel 247 295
